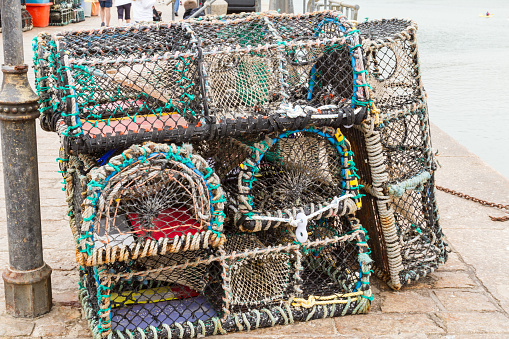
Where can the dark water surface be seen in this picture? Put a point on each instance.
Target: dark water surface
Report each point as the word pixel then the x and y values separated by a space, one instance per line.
pixel 465 68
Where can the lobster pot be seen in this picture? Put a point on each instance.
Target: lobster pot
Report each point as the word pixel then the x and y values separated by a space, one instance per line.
pixel 199 80
pixel 79 14
pixel 148 200
pixel 163 296
pixel 26 19
pixel 400 210
pixel 393 64
pixel 61 16
pixel 249 72
pixel 310 173
pixel 61 4
pixel 258 280
pixel 115 87
pixel 189 294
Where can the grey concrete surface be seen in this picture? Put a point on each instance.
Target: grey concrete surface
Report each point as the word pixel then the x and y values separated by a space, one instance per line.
pixel 466 298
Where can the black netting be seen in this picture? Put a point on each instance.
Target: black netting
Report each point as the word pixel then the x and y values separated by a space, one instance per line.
pixel 257 280
pixel 145 201
pixel 295 172
pixel 156 294
pixel 125 42
pixel 247 112
pixel 201 79
pixel 407 145
pixel 391 52
pixel 154 291
pixel 383 29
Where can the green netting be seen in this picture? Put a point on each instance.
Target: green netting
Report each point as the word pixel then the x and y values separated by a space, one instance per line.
pixel 114 87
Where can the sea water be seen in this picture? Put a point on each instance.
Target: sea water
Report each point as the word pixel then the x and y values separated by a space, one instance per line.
pixel 465 68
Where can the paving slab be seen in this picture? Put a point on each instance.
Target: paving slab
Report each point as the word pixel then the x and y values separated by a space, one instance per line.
pixel 466 298
pixel 387 324
pixel 408 302
pixel 465 301
pixel 478 322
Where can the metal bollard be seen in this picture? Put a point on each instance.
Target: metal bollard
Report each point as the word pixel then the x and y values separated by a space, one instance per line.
pixel 27 280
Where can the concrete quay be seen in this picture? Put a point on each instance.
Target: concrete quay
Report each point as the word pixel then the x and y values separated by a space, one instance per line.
pixel 466 298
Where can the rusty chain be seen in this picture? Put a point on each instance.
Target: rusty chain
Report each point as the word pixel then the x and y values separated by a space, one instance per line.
pixel 480 201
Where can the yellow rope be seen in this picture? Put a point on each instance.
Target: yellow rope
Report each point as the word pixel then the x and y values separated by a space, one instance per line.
pixel 326 300
pixel 375 110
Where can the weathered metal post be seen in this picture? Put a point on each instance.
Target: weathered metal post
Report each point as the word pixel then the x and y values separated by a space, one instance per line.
pixel 27 278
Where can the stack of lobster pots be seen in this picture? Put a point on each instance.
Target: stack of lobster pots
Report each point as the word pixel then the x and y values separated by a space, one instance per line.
pixel 211 172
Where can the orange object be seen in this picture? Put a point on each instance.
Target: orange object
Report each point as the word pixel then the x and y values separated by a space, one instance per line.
pixel 95 8
pixel 39 14
pixel 139 124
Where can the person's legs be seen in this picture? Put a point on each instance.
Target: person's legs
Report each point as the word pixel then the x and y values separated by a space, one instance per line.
pixel 127 13
pixel 105 11
pixel 176 8
pixel 120 14
pixel 108 15
pixel 101 11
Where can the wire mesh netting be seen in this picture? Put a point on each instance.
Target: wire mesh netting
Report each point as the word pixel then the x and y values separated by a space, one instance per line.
pixel 310 171
pixel 256 280
pixel 392 63
pixel 112 88
pixel 400 209
pixel 249 218
pixel 78 15
pixel 148 200
pixel 410 184
pixel 269 179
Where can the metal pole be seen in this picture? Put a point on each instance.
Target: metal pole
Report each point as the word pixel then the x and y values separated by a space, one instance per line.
pixel 204 7
pixel 27 279
pixel 172 2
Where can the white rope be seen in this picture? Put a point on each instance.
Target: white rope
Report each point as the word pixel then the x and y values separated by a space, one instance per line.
pixel 300 222
pixel 295 221
pixel 298 111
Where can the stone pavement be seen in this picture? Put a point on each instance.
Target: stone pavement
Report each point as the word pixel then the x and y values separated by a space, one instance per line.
pixel 467 298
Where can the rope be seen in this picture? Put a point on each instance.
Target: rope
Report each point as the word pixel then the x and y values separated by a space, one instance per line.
pixel 334 204
pixel 299 111
pixel 326 300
